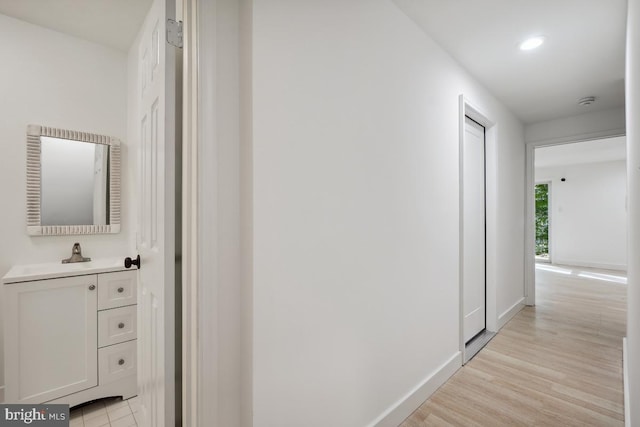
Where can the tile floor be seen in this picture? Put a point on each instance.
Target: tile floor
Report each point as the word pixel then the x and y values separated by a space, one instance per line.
pixel 113 412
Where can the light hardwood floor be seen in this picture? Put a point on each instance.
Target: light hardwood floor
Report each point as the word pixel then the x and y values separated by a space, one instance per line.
pixel 556 364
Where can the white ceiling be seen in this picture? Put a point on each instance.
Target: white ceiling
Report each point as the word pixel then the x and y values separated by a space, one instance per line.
pixel 583 53
pixel 582 56
pixel 114 23
pixel 596 151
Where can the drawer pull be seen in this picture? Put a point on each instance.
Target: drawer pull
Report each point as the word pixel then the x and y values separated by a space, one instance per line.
pixel 121 362
pixel 120 290
pixel 120 325
pixel 92 287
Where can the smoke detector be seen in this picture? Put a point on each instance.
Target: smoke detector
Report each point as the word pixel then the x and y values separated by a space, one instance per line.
pixel 587 100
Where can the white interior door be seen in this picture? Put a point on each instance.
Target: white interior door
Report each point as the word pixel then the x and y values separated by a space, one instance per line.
pixel 474 247
pixel 156 229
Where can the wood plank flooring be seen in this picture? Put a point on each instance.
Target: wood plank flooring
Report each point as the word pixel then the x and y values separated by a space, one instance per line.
pixel 556 364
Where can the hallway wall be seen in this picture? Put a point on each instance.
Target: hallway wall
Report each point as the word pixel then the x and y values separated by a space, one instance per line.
pixel 588 214
pixel 355 210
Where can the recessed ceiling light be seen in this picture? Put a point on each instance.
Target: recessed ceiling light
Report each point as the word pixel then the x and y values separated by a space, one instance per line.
pixel 532 43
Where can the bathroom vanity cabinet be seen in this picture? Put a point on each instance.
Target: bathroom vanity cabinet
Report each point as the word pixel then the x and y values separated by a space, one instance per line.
pixel 70 333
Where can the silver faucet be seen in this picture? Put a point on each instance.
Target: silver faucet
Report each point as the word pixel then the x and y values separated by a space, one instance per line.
pixel 76 255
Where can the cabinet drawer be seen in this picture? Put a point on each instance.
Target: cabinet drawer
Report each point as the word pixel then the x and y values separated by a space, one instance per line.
pixel 117 361
pixel 117 289
pixel 116 325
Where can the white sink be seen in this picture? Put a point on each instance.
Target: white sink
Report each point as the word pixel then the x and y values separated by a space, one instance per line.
pixel 21 273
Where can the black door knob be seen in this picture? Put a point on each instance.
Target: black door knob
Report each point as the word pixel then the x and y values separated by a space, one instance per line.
pixel 128 262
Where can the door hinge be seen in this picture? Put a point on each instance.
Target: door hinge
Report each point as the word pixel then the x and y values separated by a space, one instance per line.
pixel 174 33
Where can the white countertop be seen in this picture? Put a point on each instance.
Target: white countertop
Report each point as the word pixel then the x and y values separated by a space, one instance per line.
pixel 52 270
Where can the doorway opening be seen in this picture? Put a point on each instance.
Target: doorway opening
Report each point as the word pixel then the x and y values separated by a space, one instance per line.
pixel 478 225
pixel 542 190
pixel 476 335
pixel 576 208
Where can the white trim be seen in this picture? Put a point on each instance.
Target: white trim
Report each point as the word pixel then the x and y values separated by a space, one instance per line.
pixel 190 204
pixel 529 227
pixel 529 241
pixel 508 314
pixel 404 407
pixel 625 377
pixel 581 137
pixel 246 213
pixel 200 217
pixel 208 207
pixel 217 336
pixel 466 108
pixel 34 182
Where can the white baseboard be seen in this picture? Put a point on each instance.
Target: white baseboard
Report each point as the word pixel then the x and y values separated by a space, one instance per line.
pixel 400 410
pixel 604 266
pixel 510 312
pixel 625 376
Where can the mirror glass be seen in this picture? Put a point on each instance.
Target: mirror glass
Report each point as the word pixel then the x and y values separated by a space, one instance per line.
pixel 74 182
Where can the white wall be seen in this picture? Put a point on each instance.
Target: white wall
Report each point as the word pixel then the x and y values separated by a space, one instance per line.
pixel 55 80
pixel 355 209
pixel 633 166
pixel 593 125
pixel 588 214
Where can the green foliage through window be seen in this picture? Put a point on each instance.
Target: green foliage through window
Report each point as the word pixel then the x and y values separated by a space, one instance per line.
pixel 542 219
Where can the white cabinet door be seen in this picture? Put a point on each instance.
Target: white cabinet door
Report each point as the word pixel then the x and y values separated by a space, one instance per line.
pixel 50 338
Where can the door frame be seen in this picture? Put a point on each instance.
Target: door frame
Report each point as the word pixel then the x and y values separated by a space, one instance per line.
pixel 190 241
pixel 217 199
pixel 200 281
pixel 468 109
pixel 530 204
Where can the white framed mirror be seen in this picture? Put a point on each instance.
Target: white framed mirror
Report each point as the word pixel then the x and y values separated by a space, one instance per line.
pixel 73 182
